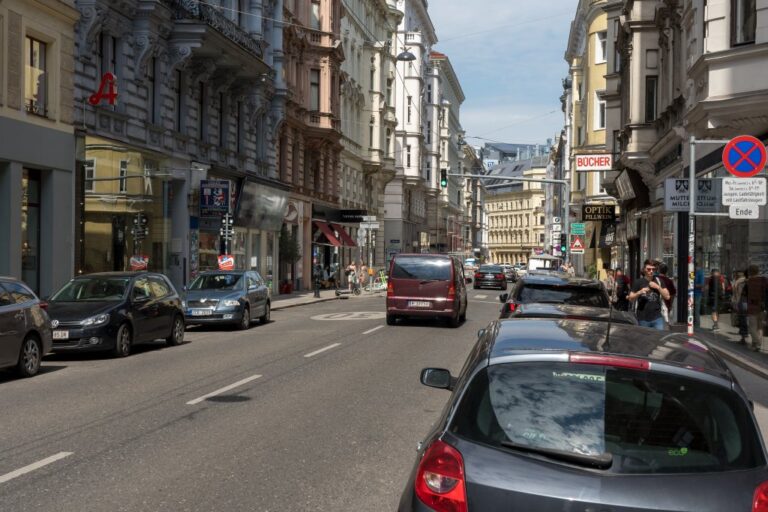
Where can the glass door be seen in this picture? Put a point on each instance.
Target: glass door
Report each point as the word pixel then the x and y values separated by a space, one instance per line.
pixel 30 229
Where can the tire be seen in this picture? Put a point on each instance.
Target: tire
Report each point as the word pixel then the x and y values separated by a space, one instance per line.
pixel 177 332
pixel 463 316
pixel 123 342
pixel 455 320
pixel 391 319
pixel 245 321
pixel 267 316
pixel 356 290
pixel 30 356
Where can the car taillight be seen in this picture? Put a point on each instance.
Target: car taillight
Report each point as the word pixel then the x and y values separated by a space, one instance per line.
pixel 478 275
pixel 43 304
pixel 440 479
pixel 452 292
pixel 511 307
pixel 760 500
pixel 499 276
pixel 390 289
pixel 617 361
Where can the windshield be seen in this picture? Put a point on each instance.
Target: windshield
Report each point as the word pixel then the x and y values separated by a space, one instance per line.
pixel 95 289
pixel 424 268
pixel 216 282
pixel 647 422
pixel 572 295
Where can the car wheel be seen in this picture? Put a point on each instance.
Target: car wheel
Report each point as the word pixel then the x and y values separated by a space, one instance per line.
pixel 463 316
pixel 30 357
pixel 177 332
pixel 455 320
pixel 265 318
pixel 391 319
pixel 245 321
pixel 123 342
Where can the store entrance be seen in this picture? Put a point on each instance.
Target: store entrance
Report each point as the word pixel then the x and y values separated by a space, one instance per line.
pixel 30 229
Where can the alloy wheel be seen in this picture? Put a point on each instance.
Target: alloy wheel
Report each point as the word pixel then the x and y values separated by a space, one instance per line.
pixel 31 356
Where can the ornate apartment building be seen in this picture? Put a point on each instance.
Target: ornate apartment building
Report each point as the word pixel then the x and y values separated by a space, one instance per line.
pixel 177 105
pixel 37 145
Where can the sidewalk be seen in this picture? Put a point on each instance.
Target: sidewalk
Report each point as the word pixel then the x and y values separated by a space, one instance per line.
pixel 726 342
pixel 290 300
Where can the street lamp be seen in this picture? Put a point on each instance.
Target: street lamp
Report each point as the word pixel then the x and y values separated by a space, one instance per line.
pixel 405 56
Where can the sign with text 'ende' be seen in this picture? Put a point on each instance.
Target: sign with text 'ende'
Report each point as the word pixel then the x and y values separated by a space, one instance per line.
pixel 677 196
pixel 601 162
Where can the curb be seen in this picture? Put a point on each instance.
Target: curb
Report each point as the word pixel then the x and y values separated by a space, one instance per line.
pixel 276 307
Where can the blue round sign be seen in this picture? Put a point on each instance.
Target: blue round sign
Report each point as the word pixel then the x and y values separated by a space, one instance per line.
pixel 744 156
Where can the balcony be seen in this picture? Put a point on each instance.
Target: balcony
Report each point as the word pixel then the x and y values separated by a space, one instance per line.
pixel 320 39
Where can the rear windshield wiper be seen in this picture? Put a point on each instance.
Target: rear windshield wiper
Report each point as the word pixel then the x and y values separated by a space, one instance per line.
pixel 602 461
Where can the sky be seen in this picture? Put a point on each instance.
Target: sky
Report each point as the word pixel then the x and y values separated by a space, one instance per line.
pixel 508 55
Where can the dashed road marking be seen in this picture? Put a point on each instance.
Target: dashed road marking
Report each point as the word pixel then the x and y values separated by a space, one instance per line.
pixel 481 296
pixel 353 315
pixel 329 347
pixel 224 389
pixel 35 465
pixel 369 331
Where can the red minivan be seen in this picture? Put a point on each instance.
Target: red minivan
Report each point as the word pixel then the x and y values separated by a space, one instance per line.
pixel 426 285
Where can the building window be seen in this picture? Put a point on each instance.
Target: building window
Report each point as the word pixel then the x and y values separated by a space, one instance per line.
pixel 651 85
pixel 152 91
pixel 123 183
pixel 429 169
pixel 408 156
pixel 90 175
pixel 541 238
pixel 389 91
pixel 744 21
pixel 389 142
pixel 541 220
pixel 370 136
pixel 239 127
pixel 600 47
pixel 222 121
pixel 599 113
pixel 429 132
pixel 314 89
pixel 429 93
pixel 178 104
pixel 35 87
pixel 314 21
pixel 408 112
pixel 373 79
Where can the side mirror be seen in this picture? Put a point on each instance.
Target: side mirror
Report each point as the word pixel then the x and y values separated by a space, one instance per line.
pixel 503 297
pixel 437 378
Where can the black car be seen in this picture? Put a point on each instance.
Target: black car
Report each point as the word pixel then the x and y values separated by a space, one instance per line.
pixel 555 415
pixel 25 329
pixel 554 288
pixel 227 297
pixel 566 311
pixel 115 310
pixel 490 275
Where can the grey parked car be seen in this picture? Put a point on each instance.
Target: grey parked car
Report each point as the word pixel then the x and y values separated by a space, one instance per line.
pixel 25 329
pixel 556 415
pixel 227 297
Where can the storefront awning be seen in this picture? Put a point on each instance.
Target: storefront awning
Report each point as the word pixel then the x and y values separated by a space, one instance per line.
pixel 347 240
pixel 328 232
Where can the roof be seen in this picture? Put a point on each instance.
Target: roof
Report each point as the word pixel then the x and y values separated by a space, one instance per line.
pixel 116 274
pixel 515 335
pixel 559 279
pixel 573 312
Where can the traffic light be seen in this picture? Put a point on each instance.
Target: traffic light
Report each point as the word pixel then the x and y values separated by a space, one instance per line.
pixel 443 178
pixel 563 243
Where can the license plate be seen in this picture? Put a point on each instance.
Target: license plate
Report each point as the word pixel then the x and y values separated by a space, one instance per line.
pixel 61 335
pixel 201 312
pixel 419 303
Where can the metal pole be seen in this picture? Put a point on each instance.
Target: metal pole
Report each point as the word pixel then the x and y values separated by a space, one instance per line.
pixel 691 233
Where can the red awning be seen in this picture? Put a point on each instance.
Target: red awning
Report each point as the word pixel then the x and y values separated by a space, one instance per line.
pixel 347 240
pixel 328 232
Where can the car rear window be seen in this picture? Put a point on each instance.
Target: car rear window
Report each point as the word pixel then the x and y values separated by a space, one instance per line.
pixel 649 422
pixel 573 295
pixel 424 268
pixel 490 268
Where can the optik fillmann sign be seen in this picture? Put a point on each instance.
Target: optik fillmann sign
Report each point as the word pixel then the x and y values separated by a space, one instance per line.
pixel 590 212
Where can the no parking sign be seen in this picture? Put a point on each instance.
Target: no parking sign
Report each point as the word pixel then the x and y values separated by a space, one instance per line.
pixel 744 156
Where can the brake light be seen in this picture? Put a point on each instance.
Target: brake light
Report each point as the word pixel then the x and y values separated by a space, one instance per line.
pixel 440 479
pixel 617 361
pixel 511 306
pixel 760 500
pixel 43 304
pixel 452 292
pixel 390 289
pixel 478 275
pixel 499 276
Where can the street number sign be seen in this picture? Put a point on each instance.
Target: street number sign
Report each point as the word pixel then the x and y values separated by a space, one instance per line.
pixel 744 191
pixel 744 156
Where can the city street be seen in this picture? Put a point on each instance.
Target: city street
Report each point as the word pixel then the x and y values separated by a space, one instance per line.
pixel 329 420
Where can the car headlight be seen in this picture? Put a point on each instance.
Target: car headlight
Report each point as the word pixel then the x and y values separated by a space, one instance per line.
pixel 95 320
pixel 230 303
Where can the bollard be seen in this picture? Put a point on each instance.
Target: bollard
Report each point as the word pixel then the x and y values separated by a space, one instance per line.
pixel 317 287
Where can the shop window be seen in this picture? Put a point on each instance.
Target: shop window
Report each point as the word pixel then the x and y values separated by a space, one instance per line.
pixel 744 21
pixel 36 77
pixel 600 47
pixel 651 88
pixel 90 174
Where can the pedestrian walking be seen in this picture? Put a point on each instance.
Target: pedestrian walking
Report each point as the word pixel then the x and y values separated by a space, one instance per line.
pixel 714 291
pixel 739 306
pixel 757 296
pixel 622 290
pixel 647 293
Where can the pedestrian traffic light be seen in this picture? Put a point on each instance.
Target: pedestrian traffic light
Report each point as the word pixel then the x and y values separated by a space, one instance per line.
pixel 443 178
pixel 563 243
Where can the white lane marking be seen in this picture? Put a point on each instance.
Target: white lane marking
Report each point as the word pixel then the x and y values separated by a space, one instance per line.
pixel 37 465
pixel 486 301
pixel 369 331
pixel 224 389
pixel 329 347
pixel 481 296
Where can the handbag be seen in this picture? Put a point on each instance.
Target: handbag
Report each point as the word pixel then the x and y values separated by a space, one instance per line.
pixel 664 308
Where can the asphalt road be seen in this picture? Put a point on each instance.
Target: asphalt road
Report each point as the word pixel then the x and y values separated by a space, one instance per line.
pixel 308 414
pixel 319 410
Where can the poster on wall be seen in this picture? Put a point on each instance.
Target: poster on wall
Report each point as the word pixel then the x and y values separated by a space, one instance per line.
pixel 214 198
